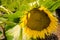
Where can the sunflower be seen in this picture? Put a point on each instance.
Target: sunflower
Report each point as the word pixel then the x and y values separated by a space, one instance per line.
pixel 38 22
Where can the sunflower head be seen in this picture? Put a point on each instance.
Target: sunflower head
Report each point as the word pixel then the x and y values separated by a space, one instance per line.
pixel 39 22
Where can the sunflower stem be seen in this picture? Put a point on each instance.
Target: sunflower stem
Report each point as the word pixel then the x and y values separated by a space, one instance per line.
pixel 20 35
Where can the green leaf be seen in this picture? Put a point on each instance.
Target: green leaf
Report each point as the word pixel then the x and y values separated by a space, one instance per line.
pixel 9 26
pixel 29 1
pixel 46 3
pixel 14 17
pixel 9 37
pixel 0 2
pixel 24 7
pixel 13 33
pixel 52 5
pixel 55 6
pixel 3 19
pixel 0 32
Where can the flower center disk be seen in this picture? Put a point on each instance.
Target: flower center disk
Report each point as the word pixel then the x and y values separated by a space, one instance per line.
pixel 38 20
